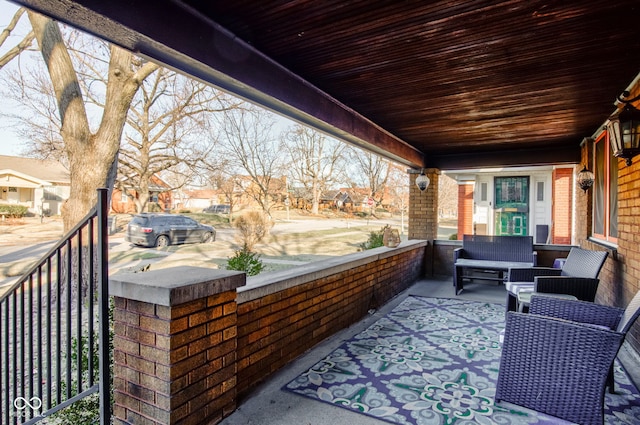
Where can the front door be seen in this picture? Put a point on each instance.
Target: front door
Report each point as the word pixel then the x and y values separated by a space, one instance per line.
pixel 512 206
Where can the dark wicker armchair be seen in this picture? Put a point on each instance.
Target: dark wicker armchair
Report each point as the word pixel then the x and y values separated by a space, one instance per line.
pixel 558 359
pixel 578 277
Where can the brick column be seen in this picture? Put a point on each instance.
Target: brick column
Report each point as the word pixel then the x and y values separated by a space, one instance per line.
pixel 423 213
pixel 563 188
pixel 465 208
pixel 423 207
pixel 175 346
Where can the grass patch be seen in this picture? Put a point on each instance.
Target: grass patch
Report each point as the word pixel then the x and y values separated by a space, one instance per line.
pixel 120 257
pixel 314 243
pixel 216 220
pixel 206 263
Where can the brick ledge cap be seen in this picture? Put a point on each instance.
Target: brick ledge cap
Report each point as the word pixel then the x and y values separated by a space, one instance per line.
pixel 175 285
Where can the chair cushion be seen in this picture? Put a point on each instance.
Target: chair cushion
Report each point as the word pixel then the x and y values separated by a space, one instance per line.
pixel 516 287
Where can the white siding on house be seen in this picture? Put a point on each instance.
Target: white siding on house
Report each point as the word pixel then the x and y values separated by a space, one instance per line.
pixel 484 213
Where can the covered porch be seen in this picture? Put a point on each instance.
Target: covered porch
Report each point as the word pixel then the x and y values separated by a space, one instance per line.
pixel 433 86
pixel 195 343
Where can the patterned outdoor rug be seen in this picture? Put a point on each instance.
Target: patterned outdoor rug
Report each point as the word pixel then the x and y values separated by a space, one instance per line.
pixel 433 361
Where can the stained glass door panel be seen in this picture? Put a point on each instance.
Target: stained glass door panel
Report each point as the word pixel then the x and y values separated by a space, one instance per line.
pixel 512 206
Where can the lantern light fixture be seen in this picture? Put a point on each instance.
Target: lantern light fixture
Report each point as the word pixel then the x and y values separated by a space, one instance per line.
pixel 422 181
pixel 585 179
pixel 624 129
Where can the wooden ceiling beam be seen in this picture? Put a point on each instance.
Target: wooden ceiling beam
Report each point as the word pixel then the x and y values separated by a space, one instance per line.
pixel 175 35
pixel 560 154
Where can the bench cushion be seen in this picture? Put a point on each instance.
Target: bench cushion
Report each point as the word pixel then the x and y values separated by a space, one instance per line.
pixel 489 264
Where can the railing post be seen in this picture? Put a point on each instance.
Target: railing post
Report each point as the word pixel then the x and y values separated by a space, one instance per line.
pixel 175 345
pixel 103 303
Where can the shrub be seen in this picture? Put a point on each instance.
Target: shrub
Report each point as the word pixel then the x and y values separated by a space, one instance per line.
pixel 252 226
pixel 453 237
pixel 374 241
pixel 13 211
pixel 245 261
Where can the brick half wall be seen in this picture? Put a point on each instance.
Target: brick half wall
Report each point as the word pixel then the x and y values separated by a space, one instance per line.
pixel 280 319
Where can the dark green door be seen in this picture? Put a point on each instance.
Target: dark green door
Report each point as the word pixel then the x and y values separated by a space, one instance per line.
pixel 512 206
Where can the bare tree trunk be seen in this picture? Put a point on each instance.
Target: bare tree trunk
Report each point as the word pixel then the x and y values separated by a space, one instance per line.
pixel 315 194
pixel 142 199
pixel 91 156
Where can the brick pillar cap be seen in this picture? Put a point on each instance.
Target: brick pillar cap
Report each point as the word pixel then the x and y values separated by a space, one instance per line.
pixel 175 285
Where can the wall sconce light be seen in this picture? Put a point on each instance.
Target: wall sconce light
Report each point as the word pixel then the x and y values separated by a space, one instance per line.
pixel 585 179
pixel 422 181
pixel 624 130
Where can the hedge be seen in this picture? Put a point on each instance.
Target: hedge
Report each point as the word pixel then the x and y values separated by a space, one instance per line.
pixel 13 211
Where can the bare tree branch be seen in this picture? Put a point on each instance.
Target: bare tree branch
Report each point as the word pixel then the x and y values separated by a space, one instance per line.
pixel 250 146
pixel 165 124
pixel 23 45
pixel 373 171
pixel 316 162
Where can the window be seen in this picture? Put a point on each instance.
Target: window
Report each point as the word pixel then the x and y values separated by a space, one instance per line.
pixel 540 192
pixel 124 198
pixel 605 191
pixel 53 193
pixel 483 192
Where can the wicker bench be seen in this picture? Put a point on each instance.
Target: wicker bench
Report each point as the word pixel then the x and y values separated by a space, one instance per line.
pixel 492 256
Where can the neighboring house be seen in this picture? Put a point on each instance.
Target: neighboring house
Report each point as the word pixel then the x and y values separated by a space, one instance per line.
pixel 333 199
pixel 124 195
pixel 300 197
pixel 199 198
pixel 357 199
pixel 533 201
pixel 40 185
pixel 346 199
pixel 247 190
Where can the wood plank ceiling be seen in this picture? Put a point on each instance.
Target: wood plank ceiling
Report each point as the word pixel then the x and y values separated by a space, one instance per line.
pixel 464 82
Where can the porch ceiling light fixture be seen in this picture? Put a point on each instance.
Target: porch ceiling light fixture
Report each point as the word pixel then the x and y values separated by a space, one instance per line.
pixel 585 179
pixel 422 181
pixel 624 129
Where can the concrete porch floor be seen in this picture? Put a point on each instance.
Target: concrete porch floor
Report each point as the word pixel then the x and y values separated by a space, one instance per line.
pixel 268 404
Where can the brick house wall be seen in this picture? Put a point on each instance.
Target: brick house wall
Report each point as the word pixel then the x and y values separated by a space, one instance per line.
pixel 620 275
pixel 625 271
pixel 118 206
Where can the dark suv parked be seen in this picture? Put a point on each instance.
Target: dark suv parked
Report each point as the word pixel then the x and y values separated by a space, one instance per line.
pixel 167 229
